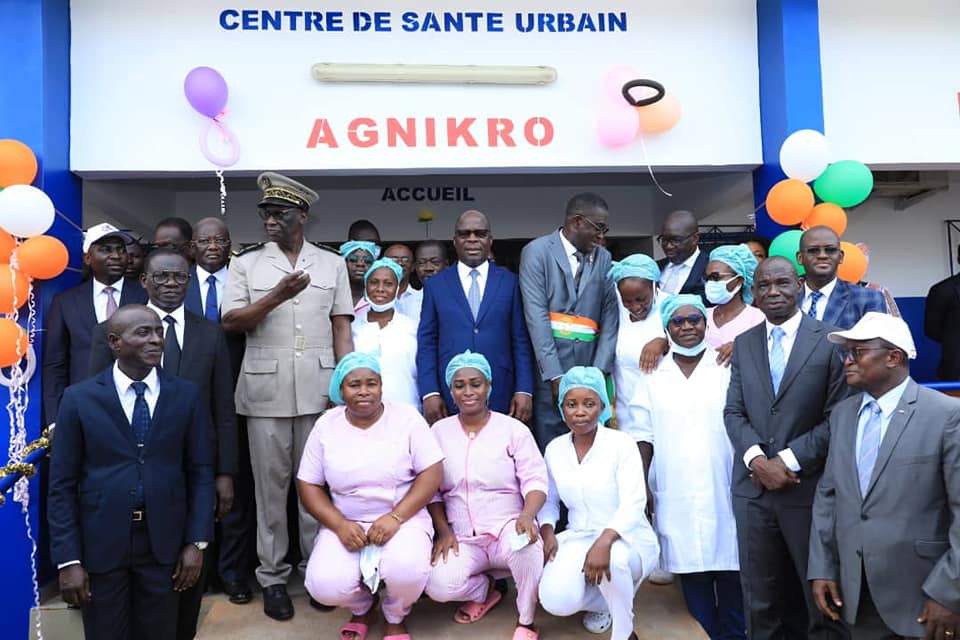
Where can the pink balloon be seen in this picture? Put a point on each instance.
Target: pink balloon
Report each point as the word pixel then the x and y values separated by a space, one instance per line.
pixel 617 125
pixel 614 80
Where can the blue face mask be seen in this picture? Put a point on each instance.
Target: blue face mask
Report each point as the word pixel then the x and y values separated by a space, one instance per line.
pixel 717 293
pixel 687 351
pixel 379 308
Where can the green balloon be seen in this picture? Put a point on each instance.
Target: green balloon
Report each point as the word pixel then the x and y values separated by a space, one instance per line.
pixel 787 244
pixel 846 183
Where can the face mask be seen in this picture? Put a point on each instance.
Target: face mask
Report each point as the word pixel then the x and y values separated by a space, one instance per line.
pixel 717 292
pixel 687 351
pixel 379 308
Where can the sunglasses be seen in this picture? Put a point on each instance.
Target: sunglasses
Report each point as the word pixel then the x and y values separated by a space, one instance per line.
pixel 857 352
pixel 355 259
pixel 279 214
pixel 693 318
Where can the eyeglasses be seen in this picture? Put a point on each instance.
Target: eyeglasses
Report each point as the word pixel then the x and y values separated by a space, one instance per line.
pixel 266 214
pixel 857 352
pixel 204 242
pixel 830 250
pixel 162 277
pixel 435 262
pixel 674 240
pixel 355 259
pixel 401 259
pixel 602 230
pixel 693 318
pixel 464 234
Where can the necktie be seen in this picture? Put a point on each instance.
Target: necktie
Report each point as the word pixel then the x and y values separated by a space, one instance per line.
pixel 111 301
pixel 140 423
pixel 211 310
pixel 576 276
pixel 869 444
pixel 814 299
pixel 778 360
pixel 171 348
pixel 473 295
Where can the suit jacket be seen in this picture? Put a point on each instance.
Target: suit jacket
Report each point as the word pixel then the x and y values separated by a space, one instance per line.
pixel 695 282
pixel 94 470
pixel 849 302
pixel 204 361
pixel 904 534
pixel 69 326
pixel 796 417
pixel 447 328
pixel 547 286
pixel 940 317
pixel 194 304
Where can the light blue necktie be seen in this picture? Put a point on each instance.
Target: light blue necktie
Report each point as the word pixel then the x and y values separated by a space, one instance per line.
pixel 473 295
pixel 211 310
pixel 814 299
pixel 778 360
pixel 869 444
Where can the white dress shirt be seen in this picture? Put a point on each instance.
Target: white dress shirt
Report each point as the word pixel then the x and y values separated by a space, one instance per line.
pixel 177 325
pixel 409 303
pixel 821 303
pixel 221 280
pixel 888 404
pixel 790 328
pixel 674 276
pixel 396 347
pixel 571 252
pixel 465 280
pixel 100 297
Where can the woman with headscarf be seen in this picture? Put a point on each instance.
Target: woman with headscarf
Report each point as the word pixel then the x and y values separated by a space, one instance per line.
pixel 597 563
pixel 680 426
pixel 729 275
pixel 494 484
pixel 381 466
pixel 359 255
pixel 380 329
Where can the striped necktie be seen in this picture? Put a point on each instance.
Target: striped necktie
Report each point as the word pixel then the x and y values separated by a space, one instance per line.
pixel 778 360
pixel 814 299
pixel 869 444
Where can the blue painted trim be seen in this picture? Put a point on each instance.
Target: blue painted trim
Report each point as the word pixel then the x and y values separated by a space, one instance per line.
pixel 791 87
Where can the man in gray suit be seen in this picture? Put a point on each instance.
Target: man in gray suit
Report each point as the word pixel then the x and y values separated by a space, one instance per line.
pixel 785 378
pixel 569 304
pixel 886 518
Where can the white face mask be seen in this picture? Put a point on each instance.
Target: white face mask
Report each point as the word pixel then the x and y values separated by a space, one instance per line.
pixel 717 292
pixel 686 351
pixel 379 308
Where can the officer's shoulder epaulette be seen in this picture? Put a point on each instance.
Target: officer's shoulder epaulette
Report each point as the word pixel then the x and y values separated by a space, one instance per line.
pixel 249 248
pixel 325 246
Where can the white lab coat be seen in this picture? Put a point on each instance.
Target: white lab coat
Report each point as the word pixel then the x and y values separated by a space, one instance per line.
pixel 396 345
pixel 631 338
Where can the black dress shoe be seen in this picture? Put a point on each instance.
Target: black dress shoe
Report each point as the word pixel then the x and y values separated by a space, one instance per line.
pixel 276 602
pixel 238 592
pixel 319 606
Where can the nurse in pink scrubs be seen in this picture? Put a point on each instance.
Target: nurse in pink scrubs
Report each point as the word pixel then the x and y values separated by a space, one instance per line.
pixel 381 465
pixel 494 484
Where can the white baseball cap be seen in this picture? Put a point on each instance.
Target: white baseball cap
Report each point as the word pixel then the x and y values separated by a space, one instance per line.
pixel 99 232
pixel 875 325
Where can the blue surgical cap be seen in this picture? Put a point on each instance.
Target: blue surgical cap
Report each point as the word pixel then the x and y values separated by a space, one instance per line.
pixel 637 265
pixel 349 362
pixel 381 264
pixel 586 378
pixel 350 246
pixel 470 360
pixel 740 258
pixel 670 305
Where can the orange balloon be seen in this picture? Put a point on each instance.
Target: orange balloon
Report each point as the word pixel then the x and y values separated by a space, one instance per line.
pixel 826 214
pixel 12 284
pixel 854 265
pixel 7 244
pixel 42 257
pixel 660 116
pixel 13 342
pixel 18 165
pixel 789 202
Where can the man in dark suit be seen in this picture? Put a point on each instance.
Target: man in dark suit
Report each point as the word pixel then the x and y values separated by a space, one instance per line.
pixel 826 297
pixel 174 233
pixel 940 317
pixel 194 349
pixel 683 268
pixel 569 304
pixel 784 381
pixel 131 488
pixel 885 542
pixel 474 305
pixel 74 313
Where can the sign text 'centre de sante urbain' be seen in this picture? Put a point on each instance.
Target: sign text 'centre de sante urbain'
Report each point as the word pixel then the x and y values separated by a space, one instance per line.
pixel 238 19
pixel 364 132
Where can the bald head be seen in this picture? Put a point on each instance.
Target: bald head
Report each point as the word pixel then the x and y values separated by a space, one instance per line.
pixel 127 314
pixel 472 214
pixel 136 339
pixel 211 241
pixel 678 236
pixel 820 254
pixel 681 221
pixel 472 238
pixel 777 289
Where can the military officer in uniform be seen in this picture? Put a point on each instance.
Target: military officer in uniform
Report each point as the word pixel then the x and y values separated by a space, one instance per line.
pixel 292 299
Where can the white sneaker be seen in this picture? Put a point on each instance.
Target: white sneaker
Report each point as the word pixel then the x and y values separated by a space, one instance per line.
pixel 659 576
pixel 597 621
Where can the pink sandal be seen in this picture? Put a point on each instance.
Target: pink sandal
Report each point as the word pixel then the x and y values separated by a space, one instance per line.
pixel 398 636
pixel 525 633
pixel 360 629
pixel 474 611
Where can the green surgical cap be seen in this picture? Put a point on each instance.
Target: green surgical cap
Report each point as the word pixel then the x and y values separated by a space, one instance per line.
pixel 637 265
pixel 740 258
pixel 349 362
pixel 469 360
pixel 586 378
pixel 670 305
pixel 350 246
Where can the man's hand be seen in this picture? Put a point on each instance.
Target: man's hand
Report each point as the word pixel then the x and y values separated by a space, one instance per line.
pixel 555 389
pixel 75 585
pixel 725 354
pixel 290 285
pixel 940 623
pixel 188 567
pixel 827 595
pixel 521 407
pixel 224 495
pixel 434 408
pixel 652 353
pixel 773 473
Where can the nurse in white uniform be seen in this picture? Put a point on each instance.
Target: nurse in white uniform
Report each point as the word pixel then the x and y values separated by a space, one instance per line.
pixel 608 548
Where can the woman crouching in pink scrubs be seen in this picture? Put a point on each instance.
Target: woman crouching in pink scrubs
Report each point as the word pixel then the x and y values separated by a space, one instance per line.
pixel 494 484
pixel 381 465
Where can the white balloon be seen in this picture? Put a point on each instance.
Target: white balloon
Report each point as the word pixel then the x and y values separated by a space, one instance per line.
pixel 804 155
pixel 25 211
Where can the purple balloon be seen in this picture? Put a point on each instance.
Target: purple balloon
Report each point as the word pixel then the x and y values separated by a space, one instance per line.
pixel 206 91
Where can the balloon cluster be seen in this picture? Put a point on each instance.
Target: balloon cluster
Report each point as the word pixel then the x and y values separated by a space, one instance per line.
pixel 624 116
pixel 25 213
pixel 805 157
